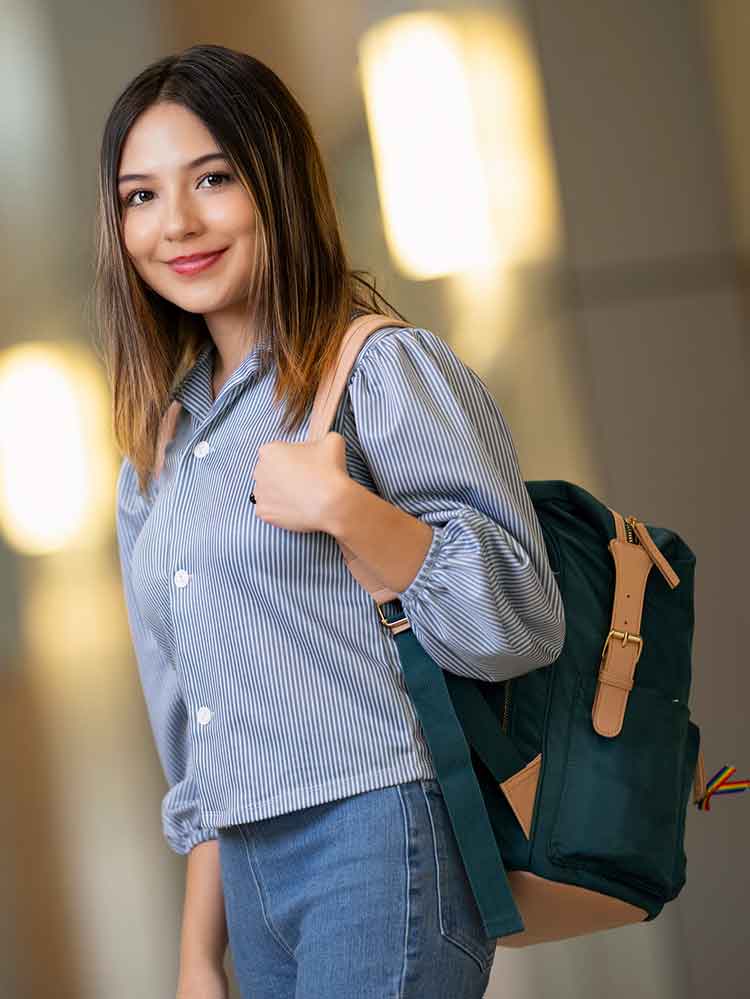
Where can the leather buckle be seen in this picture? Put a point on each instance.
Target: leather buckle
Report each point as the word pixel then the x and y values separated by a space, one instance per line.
pixel 626 637
pixel 391 625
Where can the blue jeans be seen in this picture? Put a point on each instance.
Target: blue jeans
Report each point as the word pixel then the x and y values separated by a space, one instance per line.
pixel 365 897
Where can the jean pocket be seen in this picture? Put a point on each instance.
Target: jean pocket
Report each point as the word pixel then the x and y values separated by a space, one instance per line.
pixel 459 918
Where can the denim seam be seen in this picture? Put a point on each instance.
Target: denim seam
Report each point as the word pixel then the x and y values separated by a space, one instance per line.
pixel 407 867
pixel 437 861
pixel 448 936
pixel 263 894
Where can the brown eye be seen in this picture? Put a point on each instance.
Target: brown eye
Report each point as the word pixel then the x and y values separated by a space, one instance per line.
pixel 223 176
pixel 129 198
pixel 129 202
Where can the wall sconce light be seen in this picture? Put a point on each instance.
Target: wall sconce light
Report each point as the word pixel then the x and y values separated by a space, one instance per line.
pixel 56 464
pixel 456 117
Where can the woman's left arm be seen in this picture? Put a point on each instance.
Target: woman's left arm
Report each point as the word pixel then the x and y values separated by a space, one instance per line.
pixel 453 530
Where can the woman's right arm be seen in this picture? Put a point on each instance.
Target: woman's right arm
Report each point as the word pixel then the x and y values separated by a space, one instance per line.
pixel 204 930
pixel 203 924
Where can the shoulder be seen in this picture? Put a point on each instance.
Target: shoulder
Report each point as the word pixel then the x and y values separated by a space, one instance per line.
pixel 131 506
pixel 404 348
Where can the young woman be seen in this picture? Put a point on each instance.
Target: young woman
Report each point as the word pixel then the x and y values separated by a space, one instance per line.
pixel 301 786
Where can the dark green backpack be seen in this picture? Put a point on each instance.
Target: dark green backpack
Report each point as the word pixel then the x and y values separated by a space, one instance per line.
pixel 568 789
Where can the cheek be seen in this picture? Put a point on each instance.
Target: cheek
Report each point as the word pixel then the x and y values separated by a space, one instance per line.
pixel 232 215
pixel 138 235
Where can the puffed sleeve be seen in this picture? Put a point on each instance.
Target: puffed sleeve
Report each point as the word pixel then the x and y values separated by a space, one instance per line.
pixel 180 810
pixel 484 602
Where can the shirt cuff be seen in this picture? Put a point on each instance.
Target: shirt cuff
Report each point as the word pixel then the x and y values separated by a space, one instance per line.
pixel 184 845
pixel 410 596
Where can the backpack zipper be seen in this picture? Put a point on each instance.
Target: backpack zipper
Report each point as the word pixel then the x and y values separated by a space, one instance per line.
pixel 629 532
pixel 506 706
pixel 637 533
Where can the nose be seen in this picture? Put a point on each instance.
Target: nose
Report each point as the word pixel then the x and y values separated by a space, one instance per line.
pixel 179 217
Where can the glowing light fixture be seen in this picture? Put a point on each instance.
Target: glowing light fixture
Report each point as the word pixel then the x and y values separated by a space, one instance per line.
pixel 457 125
pixel 55 462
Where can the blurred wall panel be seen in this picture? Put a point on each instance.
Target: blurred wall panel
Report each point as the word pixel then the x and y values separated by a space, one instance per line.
pixel 654 289
pixel 95 893
pixel 727 30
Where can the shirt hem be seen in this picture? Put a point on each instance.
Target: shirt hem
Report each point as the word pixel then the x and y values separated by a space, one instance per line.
pixel 317 794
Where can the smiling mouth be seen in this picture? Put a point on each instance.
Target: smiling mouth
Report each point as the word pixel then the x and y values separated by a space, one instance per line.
pixel 191 265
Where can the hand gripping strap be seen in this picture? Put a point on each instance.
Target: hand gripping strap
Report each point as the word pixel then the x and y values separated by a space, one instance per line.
pixel 324 410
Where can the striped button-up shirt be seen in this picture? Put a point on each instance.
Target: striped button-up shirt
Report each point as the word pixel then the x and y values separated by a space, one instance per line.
pixel 270 682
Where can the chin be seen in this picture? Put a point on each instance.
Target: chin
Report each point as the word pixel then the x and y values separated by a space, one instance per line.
pixel 198 303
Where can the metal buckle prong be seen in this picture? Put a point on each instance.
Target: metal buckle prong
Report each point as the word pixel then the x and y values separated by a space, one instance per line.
pixel 390 625
pixel 626 637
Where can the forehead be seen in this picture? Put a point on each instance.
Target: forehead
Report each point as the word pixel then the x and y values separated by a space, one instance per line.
pixel 162 136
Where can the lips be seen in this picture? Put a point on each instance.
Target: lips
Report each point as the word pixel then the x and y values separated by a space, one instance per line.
pixel 193 256
pixel 196 262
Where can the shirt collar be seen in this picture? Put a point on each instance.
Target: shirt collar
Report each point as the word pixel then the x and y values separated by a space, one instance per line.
pixel 194 391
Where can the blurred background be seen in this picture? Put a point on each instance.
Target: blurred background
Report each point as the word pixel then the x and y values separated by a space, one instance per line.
pixel 559 189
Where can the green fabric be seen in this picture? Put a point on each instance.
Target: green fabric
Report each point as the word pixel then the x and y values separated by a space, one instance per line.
pixel 609 814
pixel 427 687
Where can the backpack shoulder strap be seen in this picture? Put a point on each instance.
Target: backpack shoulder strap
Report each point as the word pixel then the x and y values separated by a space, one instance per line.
pixel 324 409
pixel 331 388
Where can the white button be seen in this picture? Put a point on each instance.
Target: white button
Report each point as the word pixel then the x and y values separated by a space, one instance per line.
pixel 201 449
pixel 181 577
pixel 204 715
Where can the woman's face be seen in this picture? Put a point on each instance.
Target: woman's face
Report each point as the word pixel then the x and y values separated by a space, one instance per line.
pixel 180 210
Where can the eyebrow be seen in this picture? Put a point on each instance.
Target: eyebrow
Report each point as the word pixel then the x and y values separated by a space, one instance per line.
pixel 187 166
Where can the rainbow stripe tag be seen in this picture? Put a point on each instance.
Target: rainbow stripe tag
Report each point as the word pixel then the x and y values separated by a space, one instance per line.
pixel 720 784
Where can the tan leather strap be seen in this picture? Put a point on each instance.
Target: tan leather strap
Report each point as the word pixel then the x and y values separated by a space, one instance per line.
pixel 324 410
pixel 331 389
pixel 624 644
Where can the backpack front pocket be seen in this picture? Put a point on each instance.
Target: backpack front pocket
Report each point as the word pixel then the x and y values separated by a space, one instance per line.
pixel 619 813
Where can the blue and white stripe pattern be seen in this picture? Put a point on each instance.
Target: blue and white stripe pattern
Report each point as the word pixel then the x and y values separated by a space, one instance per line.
pixel 270 682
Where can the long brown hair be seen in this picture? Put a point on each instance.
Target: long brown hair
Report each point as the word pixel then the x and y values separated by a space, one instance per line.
pixel 302 293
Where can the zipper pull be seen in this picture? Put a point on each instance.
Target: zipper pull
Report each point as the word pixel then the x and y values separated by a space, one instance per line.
pixel 653 552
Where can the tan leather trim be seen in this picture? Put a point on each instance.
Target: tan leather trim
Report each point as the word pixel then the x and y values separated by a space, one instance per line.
pixel 554 911
pixel 699 779
pixel 331 389
pixel 323 412
pixel 619 525
pixel 520 790
pixel 617 668
pixel 620 655
pixel 656 556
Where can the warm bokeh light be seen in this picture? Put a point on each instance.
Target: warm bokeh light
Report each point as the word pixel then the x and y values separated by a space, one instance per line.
pixel 56 465
pixel 462 161
pixel 432 186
